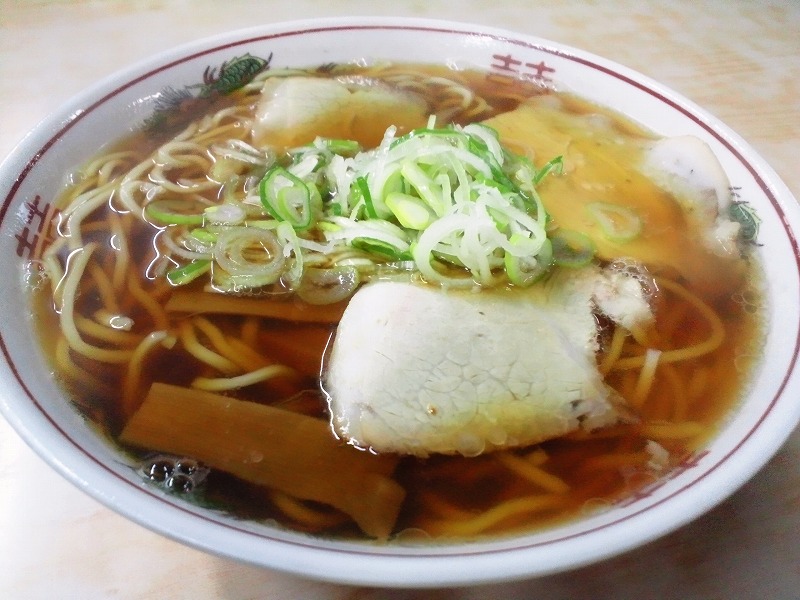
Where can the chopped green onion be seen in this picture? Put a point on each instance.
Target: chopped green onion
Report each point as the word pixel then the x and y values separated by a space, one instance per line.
pixel 451 201
pixel 188 273
pixel 571 248
pixel 251 256
pixel 363 188
pixel 619 223
pixel 225 214
pixel 554 165
pixel 225 168
pixel 287 197
pixel 375 246
pixel 527 270
pixel 175 211
pixel 204 236
pixel 327 286
pixel 410 211
pixel 425 187
pixel 343 147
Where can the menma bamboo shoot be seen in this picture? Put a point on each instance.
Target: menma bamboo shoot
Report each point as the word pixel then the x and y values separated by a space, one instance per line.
pixel 191 302
pixel 293 453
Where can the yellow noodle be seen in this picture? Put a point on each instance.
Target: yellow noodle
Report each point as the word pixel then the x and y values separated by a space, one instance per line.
pixel 479 107
pixel 606 433
pixel 250 328
pixel 642 335
pixel 189 131
pixel 189 163
pixel 118 322
pixel 68 368
pixel 104 287
pixel 132 383
pixel 646 376
pixel 77 190
pixel 679 401
pixel 670 321
pixel 112 169
pixel 192 302
pixel 136 181
pixel 616 460
pixel 203 354
pixel 105 333
pixel 436 504
pixel 247 361
pixel 179 153
pixel 99 163
pixel 221 384
pixel 672 431
pixel 149 303
pixel 54 269
pixel 122 254
pixel 537 457
pixel 713 342
pixel 254 358
pixel 77 266
pixel 532 473
pixel 126 192
pixel 302 513
pixel 78 210
pixel 510 95
pixel 495 515
pixel 220 131
pixel 93 197
pixel 184 185
pixel 698 382
pixel 239 114
pixel 627 384
pixel 614 349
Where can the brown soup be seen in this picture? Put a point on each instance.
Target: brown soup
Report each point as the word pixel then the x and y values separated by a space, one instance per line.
pixel 117 303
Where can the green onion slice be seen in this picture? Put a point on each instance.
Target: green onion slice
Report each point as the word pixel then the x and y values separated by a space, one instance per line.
pixel 571 248
pixel 452 201
pixel 287 197
pixel 554 165
pixel 524 271
pixel 250 254
pixel 410 211
pixel 188 273
pixel 342 147
pixel 363 188
pixel 327 286
pixel 176 211
pixel 619 223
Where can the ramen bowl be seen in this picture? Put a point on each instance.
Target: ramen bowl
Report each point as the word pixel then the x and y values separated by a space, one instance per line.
pixel 38 408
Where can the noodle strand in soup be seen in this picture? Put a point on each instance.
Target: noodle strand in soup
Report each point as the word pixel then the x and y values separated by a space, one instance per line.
pixel 119 326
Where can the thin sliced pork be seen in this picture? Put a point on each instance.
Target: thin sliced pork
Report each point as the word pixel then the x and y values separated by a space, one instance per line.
pixel 686 166
pixel 418 370
pixel 295 110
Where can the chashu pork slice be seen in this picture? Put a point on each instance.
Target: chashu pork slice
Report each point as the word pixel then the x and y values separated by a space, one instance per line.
pixel 419 370
pixel 686 166
pixel 293 111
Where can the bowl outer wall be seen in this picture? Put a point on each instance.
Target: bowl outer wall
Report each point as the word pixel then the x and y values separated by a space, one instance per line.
pixel 481 563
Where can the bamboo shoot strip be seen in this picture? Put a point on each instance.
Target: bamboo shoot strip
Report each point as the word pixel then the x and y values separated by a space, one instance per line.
pixel 299 347
pixel 282 450
pixel 208 302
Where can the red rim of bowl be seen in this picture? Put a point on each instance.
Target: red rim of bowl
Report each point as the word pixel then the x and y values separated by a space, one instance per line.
pixel 236 39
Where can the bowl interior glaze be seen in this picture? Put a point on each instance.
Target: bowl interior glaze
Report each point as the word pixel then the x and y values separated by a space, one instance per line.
pixel 35 406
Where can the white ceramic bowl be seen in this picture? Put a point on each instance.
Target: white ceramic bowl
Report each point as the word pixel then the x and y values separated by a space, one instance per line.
pixel 38 410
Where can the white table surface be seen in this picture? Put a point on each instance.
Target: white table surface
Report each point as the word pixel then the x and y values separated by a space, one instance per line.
pixel 738 59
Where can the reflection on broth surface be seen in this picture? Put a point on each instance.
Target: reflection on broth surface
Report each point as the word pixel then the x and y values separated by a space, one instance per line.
pixel 202 267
